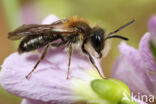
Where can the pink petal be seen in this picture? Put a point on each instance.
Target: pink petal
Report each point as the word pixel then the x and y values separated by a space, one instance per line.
pixel 129 68
pixel 146 53
pixel 26 101
pixel 127 73
pixel 132 54
pixel 42 84
pixel 50 19
pixel 147 57
pixel 152 25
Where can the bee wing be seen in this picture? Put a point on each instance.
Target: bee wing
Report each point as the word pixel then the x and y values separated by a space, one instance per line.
pixel 36 29
pixel 22 31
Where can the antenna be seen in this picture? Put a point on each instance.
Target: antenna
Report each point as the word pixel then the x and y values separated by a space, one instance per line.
pixel 110 35
pixel 116 36
pixel 122 27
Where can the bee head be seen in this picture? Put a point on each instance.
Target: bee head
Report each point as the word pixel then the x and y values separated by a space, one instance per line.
pixel 97 40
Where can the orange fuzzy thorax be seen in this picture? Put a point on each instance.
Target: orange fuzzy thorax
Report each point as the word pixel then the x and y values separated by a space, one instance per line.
pixel 75 21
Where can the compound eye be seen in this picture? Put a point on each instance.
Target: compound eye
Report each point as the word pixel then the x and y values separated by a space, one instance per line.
pixel 97 40
pixel 97 43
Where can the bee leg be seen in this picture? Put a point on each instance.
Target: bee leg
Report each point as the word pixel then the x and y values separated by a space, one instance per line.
pixel 39 60
pixel 90 58
pixel 70 51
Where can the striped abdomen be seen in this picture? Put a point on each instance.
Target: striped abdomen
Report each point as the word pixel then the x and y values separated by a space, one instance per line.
pixel 33 42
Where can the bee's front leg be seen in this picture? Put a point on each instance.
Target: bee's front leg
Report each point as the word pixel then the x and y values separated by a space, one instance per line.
pixel 70 52
pixel 90 58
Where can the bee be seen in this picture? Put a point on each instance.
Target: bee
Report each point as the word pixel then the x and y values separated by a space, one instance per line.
pixel 70 31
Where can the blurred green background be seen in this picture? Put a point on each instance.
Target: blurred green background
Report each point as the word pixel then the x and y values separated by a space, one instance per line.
pixel 110 14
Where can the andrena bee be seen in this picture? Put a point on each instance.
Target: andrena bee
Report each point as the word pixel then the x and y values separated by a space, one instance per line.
pixel 70 31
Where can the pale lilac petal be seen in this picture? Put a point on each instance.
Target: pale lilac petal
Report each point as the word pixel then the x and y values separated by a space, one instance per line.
pixel 26 101
pixel 129 68
pixel 152 25
pixel 126 72
pixel 148 58
pixel 50 19
pixel 48 81
pixel 152 28
pixel 132 54
pixel 145 52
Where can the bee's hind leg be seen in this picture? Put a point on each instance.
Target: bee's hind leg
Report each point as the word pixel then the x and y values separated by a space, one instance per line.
pixel 39 60
pixel 44 54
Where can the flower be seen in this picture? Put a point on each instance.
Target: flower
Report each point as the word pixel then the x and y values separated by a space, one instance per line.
pixel 48 83
pixel 137 68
